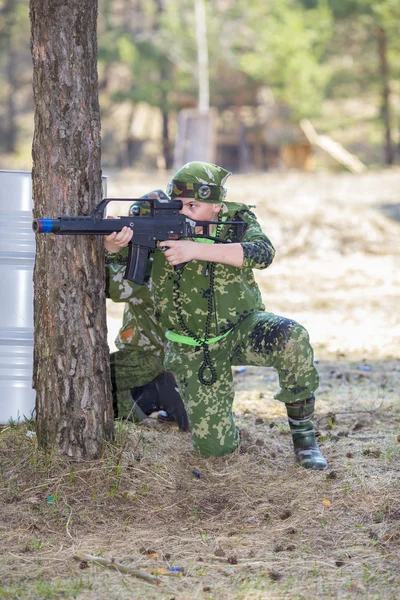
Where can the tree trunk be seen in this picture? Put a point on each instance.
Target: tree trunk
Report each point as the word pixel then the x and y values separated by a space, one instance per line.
pixel 166 144
pixel 71 356
pixel 202 56
pixel 12 70
pixel 164 106
pixel 384 71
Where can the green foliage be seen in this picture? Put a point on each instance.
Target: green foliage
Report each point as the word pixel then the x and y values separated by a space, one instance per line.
pixel 51 590
pixel 301 52
pixel 15 68
pixel 147 69
pixel 281 46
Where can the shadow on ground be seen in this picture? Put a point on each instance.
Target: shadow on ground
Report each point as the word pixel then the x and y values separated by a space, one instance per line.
pixel 391 210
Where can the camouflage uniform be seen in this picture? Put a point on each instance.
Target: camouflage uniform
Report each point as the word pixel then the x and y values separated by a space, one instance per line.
pixel 203 301
pixel 140 384
pixel 140 340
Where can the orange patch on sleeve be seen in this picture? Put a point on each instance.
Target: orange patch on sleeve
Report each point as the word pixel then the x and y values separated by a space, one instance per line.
pixel 127 334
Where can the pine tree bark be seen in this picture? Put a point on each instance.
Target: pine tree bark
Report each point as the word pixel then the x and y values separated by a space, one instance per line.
pixel 71 356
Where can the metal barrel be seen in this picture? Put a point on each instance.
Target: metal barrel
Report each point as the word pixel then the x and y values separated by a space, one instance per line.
pixel 17 257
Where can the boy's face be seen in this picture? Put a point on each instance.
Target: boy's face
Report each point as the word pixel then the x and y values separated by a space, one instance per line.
pixel 199 211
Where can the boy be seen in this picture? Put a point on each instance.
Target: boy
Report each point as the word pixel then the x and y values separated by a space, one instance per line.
pixel 140 385
pixel 214 316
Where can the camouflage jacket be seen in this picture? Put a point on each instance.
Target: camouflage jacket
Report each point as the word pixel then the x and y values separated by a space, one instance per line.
pixel 184 300
pixel 140 330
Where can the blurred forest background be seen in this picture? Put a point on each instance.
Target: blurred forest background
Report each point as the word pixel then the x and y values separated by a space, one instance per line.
pixel 270 64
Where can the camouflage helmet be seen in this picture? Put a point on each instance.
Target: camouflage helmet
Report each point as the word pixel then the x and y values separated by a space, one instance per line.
pixel 200 180
pixel 143 208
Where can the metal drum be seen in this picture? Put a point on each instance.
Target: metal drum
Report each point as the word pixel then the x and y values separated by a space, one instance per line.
pixel 17 257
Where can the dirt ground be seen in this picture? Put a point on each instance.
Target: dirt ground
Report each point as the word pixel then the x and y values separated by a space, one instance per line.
pixel 252 525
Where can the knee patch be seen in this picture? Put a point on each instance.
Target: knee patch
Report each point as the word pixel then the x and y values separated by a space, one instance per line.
pixel 272 337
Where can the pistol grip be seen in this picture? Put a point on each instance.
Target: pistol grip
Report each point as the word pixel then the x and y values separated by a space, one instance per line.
pixel 180 266
pixel 176 267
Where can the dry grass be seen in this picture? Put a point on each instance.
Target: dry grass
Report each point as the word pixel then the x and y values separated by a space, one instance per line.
pixel 253 525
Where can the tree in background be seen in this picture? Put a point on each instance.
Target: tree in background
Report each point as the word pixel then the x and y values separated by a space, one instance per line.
pixel 300 52
pixel 369 66
pixel 130 40
pixel 227 80
pixel 14 57
pixel 281 45
pixel 71 357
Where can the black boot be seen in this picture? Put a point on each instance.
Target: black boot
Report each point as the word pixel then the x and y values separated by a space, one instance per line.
pixel 160 395
pixel 170 400
pixel 145 400
pixel 300 414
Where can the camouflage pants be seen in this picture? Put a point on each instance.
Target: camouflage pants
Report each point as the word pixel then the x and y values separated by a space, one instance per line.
pixel 262 339
pixel 131 368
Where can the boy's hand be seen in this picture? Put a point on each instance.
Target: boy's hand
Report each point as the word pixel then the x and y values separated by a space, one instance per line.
pixel 115 241
pixel 179 251
pixel 182 251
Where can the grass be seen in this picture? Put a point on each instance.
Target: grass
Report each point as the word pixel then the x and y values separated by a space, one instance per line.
pixel 45 589
pixel 254 525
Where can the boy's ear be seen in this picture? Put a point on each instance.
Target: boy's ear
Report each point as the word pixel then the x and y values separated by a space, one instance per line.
pixel 217 208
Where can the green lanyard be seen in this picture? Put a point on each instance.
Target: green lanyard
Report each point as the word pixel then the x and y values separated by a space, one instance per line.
pixel 184 339
pixel 208 241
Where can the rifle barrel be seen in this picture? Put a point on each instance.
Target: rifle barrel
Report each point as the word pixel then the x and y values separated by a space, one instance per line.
pixel 46 225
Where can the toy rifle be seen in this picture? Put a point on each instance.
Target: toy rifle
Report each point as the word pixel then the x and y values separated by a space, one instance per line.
pixel 163 222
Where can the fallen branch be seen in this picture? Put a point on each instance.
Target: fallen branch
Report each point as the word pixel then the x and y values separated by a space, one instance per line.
pixel 366 437
pixel 331 414
pixel 332 147
pixel 66 526
pixel 106 562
